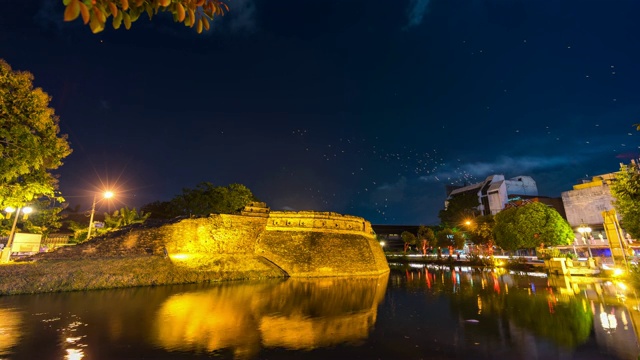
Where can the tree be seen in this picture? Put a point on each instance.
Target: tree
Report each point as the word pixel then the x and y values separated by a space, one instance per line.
pixel 450 238
pixel 409 239
pixel 203 200
pixel 530 225
pixel 192 13
pixel 481 230
pixel 161 210
pixel 426 237
pixel 124 217
pixel 30 143
pixel 46 219
pixel 458 240
pixel 460 207
pixel 208 199
pixel 626 191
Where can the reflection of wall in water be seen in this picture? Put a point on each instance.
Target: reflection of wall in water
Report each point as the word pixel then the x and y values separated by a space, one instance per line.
pixel 10 325
pixel 296 313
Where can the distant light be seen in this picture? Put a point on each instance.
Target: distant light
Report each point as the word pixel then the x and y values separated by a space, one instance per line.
pixel 179 256
pixel 382 243
pixel 10 209
pixel 27 210
pixel 108 194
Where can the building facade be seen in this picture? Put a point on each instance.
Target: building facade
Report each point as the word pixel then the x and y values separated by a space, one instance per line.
pixel 496 191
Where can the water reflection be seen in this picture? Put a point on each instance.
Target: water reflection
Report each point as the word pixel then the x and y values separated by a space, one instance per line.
pixel 414 312
pixel 10 333
pixel 294 314
pixel 498 309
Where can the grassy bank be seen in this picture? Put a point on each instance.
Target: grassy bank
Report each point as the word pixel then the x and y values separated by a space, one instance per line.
pixel 94 273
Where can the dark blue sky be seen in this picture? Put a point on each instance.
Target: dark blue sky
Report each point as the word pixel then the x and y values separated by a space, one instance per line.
pixel 367 108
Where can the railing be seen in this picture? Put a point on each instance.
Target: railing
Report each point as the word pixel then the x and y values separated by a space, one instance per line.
pixel 55 240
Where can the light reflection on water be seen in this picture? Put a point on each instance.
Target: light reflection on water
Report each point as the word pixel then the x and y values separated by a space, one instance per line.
pixel 10 333
pixel 415 312
pixel 294 314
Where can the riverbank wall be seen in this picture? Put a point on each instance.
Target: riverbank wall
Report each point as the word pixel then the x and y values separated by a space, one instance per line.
pixel 216 248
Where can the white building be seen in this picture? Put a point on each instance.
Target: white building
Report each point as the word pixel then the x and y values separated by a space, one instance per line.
pixel 496 191
pixel 586 202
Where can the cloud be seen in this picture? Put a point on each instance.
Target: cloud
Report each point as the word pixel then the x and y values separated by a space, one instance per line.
pixel 416 12
pixel 242 15
pixel 49 15
pixel 504 164
pixel 390 192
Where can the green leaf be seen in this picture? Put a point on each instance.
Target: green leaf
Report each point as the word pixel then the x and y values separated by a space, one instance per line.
pixel 117 20
pixel 72 11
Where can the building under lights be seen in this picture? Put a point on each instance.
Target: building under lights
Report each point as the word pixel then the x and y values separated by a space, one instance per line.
pixel 585 204
pixel 495 192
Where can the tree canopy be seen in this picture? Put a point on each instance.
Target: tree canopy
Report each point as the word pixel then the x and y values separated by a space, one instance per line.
pixel 449 237
pixel 626 191
pixel 96 13
pixel 409 239
pixel 31 145
pixel 529 226
pixel 460 207
pixel 203 200
pixel 124 217
pixel 426 234
pixel 481 230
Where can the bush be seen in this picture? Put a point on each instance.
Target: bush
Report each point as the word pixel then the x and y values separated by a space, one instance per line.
pixel 548 253
pixel 634 276
pixel 477 260
pixel 517 263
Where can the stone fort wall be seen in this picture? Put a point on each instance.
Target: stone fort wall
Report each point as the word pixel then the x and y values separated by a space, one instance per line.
pixel 302 244
pixel 327 222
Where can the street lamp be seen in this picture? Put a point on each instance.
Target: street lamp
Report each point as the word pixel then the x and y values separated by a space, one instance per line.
pixel 585 231
pixel 105 195
pixel 6 252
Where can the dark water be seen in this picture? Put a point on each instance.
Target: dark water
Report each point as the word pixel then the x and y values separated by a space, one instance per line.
pixel 412 313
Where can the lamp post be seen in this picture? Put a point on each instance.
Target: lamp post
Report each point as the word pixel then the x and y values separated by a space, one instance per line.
pixel 6 252
pixel 105 195
pixel 585 231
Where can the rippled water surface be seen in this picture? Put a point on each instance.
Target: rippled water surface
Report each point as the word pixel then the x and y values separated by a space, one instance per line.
pixel 411 313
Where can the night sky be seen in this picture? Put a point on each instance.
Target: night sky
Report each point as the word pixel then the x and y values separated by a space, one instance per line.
pixel 368 108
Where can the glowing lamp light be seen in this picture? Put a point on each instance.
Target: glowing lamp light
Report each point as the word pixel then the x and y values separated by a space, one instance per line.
pixel 10 209
pixel 382 243
pixel 617 272
pixel 584 229
pixel 179 256
pixel 106 195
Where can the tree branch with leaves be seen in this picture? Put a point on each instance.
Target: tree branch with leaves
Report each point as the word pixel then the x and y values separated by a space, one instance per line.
pixel 96 13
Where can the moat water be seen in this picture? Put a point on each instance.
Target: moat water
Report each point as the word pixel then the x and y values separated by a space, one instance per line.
pixel 412 313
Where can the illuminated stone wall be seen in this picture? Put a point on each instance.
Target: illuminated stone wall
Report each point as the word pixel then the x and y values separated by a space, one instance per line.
pixel 216 234
pixel 310 244
pixel 303 244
